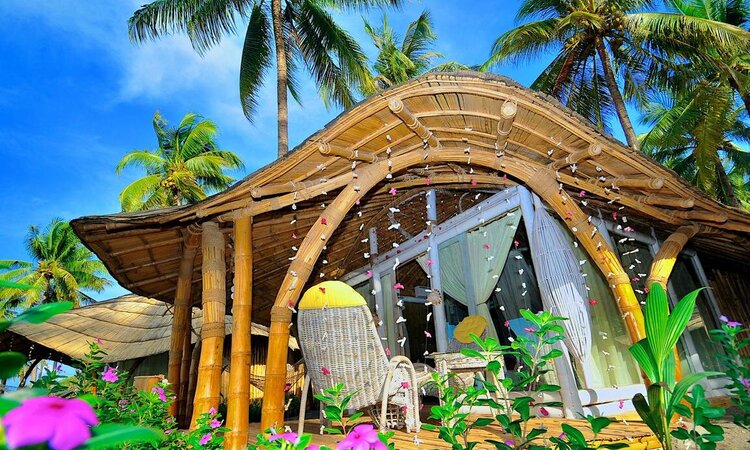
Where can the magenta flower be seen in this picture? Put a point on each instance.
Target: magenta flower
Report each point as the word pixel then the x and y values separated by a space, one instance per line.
pixel 215 423
pixel 99 342
pixel 745 382
pixel 398 286
pixel 205 438
pixel 529 329
pixel 212 411
pixel 290 437
pixel 325 371
pixel 110 375
pixel 169 431
pixel 63 424
pixel 730 323
pixel 362 437
pixel 160 391
pixel 312 447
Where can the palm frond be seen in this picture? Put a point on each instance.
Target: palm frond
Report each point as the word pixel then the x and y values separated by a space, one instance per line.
pixel 256 59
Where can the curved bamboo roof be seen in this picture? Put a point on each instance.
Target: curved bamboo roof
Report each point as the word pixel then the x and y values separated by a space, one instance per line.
pixel 450 114
pixel 129 327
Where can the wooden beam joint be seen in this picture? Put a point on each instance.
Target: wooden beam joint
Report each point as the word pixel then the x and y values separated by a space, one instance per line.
pixel 576 157
pixel 411 121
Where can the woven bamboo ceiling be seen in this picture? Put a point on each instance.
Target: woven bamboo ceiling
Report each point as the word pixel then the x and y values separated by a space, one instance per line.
pixel 129 327
pixel 456 114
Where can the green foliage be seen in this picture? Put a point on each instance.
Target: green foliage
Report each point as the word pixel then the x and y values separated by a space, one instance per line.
pixel 573 439
pixel 60 269
pixel 700 412
pixel 735 339
pixel 397 62
pixel 336 400
pixel 655 356
pixel 186 166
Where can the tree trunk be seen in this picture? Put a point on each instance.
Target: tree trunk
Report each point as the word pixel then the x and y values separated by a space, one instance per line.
pixel 744 95
pixel 614 91
pixel 281 82
pixel 730 198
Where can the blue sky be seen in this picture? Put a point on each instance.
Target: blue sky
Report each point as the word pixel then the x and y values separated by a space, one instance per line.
pixel 76 95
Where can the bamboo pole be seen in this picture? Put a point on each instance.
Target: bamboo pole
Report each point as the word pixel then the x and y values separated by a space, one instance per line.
pixel 213 331
pixel 412 122
pixel 505 123
pixel 351 154
pixel 542 181
pixel 181 319
pixel 238 398
pixel 673 202
pixel 577 156
pixel 184 379
pixel 192 380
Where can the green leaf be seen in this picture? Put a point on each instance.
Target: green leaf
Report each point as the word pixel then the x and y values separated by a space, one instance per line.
pixel 679 319
pixel 471 353
pixel 684 386
pixel 645 359
pixel 41 313
pixel 482 422
pixel 644 411
pixel 574 434
pixel 599 423
pixel 656 314
pixel 11 363
pixel 110 435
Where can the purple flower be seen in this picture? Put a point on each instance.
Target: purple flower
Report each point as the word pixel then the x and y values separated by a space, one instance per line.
pixel 212 411
pixel 160 391
pixel 730 323
pixel 99 342
pixel 63 424
pixel 510 443
pixel 312 447
pixel 215 423
pixel 168 431
pixel 290 437
pixel 745 382
pixel 110 375
pixel 362 437
pixel 205 438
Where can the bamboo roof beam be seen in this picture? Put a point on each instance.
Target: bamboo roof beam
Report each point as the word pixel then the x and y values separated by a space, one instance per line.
pixel 325 148
pixel 411 121
pixel 638 183
pixel 281 188
pixel 673 202
pixel 703 216
pixel 505 123
pixel 576 157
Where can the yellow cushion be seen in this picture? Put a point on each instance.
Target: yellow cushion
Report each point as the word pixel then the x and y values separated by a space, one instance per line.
pixel 331 294
pixel 470 325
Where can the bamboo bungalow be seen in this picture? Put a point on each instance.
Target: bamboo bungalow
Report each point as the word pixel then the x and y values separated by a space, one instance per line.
pixel 438 185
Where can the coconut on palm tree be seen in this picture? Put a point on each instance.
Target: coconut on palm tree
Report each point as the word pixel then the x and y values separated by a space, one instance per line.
pixel 608 51
pixel 698 134
pixel 298 32
pixel 400 59
pixel 186 166
pixel 61 269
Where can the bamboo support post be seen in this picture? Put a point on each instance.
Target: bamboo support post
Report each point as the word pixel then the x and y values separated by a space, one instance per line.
pixel 351 154
pixel 672 202
pixel 666 257
pixel 412 122
pixel 577 156
pixel 238 398
pixel 507 115
pixel 276 360
pixel 637 183
pixel 213 331
pixel 182 319
pixel 704 216
pixel 184 380
pixel 192 381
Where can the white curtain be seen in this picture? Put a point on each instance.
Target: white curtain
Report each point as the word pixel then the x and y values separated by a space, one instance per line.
pixel 561 284
pixel 483 253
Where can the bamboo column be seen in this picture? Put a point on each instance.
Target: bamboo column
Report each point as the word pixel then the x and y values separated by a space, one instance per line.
pixel 192 381
pixel 208 387
pixel 238 401
pixel 276 360
pixel 666 257
pixel 185 379
pixel 182 319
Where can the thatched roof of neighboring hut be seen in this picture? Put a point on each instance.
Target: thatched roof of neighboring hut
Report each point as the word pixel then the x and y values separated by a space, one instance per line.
pixel 129 327
pixel 462 112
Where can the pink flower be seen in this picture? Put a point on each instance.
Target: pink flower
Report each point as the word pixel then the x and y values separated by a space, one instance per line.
pixel 405 384
pixel 516 244
pixel 427 181
pixel 325 371
pixel 593 302
pixel 510 443
pixel 506 323
pixel 544 411
pixel 398 286
pixel 287 387
pixel 582 194
pixel 160 391
pixel 290 437
pixel 99 342
pixel 429 262
pixel 621 404
pixel 393 191
pixel 324 221
pixel 356 202
pixel 635 279
pixel 473 183
pixel 427 334
pixel 487 246
pixel 369 274
pixel 63 424
pixel 529 329
pixel 388 351
pixel 168 431
pixel 362 437
pixel 294 236
pixel 110 375
pixel 204 439
pixel 312 447
pixel 212 411
pixel 745 382
pixel 628 229
pixel 215 423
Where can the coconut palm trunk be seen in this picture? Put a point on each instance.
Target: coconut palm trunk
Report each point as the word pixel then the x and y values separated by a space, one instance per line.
pixel 744 95
pixel 730 197
pixel 617 100
pixel 281 79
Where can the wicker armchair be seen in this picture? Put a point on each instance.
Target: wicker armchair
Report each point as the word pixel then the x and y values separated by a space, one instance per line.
pixel 340 344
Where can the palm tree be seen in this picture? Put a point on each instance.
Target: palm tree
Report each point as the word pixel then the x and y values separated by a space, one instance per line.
pixel 186 166
pixel 60 269
pixel 397 62
pixel 298 31
pixel 698 134
pixel 602 44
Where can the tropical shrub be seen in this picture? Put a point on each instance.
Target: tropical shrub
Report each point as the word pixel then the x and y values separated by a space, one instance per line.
pixel 655 356
pixel 736 361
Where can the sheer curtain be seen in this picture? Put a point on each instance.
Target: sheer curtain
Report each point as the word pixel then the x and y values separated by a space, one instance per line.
pixel 483 254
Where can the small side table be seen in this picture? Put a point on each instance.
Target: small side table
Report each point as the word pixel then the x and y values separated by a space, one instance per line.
pixel 457 363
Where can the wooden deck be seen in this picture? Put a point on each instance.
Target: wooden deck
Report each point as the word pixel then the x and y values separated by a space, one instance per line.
pixel 634 433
